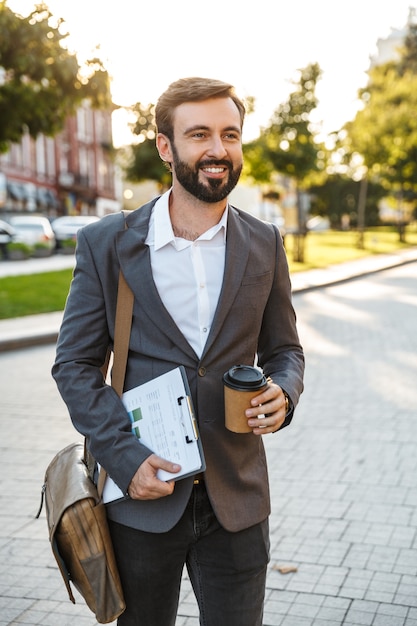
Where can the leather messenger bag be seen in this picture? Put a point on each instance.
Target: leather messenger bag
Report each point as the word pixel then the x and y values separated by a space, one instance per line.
pixel 79 534
pixel 76 516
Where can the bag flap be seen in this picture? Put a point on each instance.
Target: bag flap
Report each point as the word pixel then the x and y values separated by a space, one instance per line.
pixel 66 481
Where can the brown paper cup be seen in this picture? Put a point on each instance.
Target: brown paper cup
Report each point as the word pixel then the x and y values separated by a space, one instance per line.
pixel 241 384
pixel 235 405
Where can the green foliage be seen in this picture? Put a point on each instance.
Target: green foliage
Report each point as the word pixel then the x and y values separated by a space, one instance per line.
pixel 255 165
pixel 288 144
pixel 142 159
pixel 144 164
pixel 144 125
pixel 22 249
pixel 291 145
pixel 408 60
pixel 69 243
pixel 384 131
pixel 339 195
pixel 41 83
pixel 19 245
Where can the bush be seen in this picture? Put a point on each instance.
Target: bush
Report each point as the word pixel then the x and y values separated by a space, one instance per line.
pixel 42 250
pixel 17 250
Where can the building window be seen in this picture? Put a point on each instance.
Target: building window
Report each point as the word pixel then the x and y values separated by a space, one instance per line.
pixel 40 155
pixel 81 130
pixel 50 157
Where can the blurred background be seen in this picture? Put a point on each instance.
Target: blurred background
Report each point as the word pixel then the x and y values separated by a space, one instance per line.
pixel 330 138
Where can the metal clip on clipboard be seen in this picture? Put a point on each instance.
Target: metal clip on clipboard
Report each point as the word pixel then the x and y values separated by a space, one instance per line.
pixel 191 416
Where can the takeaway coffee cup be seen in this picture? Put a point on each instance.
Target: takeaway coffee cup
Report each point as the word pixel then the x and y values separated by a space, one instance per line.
pixel 241 384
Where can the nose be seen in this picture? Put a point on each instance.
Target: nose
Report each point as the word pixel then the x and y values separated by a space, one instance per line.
pixel 216 149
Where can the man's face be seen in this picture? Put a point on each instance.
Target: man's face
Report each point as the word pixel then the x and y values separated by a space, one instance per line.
pixel 206 154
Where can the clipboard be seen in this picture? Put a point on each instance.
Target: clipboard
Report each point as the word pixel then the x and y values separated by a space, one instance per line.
pixel 163 419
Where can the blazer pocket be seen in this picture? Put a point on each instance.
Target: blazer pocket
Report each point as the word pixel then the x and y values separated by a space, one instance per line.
pixel 257 279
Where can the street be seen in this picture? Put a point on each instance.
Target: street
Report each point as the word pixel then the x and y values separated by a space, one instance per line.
pixel 343 475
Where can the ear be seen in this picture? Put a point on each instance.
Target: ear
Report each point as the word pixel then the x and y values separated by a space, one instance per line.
pixel 163 146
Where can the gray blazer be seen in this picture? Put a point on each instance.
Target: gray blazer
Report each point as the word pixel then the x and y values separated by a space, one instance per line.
pixel 254 316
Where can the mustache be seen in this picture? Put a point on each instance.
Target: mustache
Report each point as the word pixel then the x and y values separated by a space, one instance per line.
pixel 215 163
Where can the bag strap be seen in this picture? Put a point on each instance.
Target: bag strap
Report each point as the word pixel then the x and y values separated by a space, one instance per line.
pixel 123 324
pixel 122 327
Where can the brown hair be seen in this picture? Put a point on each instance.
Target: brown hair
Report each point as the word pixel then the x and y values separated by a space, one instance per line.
pixel 191 90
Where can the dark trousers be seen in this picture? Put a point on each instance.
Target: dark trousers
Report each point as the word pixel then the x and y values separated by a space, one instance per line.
pixel 227 570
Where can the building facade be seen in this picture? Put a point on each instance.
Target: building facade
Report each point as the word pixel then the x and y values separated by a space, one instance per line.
pixel 72 173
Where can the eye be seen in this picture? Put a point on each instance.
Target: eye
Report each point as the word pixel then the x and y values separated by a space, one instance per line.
pixel 232 136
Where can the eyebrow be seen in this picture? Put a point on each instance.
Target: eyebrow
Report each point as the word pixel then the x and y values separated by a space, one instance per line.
pixel 203 127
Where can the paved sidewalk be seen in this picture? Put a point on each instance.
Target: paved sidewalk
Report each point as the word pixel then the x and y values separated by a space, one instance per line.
pixel 343 476
pixel 41 329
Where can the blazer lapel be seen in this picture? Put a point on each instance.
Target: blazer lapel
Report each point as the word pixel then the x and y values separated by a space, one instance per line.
pixel 237 252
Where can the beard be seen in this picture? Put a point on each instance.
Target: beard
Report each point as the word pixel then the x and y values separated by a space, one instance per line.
pixel 214 190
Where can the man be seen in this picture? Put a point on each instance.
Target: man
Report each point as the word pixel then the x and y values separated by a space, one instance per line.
pixel 212 290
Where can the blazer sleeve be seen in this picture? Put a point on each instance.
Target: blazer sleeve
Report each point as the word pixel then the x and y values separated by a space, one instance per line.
pixel 280 353
pixel 85 335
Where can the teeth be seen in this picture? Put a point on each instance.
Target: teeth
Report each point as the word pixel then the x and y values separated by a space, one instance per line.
pixel 214 170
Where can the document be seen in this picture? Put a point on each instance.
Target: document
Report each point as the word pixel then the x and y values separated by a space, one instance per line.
pixel 163 419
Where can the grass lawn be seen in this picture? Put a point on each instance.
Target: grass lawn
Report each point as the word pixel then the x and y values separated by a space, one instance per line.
pixel 331 247
pixel 44 293
pixel 33 293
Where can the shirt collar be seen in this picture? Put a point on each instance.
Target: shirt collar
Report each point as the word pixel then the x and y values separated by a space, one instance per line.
pixel 162 227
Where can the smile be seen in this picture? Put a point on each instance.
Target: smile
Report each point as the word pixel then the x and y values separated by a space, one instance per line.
pixel 214 170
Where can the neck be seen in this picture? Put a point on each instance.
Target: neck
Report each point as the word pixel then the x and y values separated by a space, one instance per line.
pixel 190 217
pixel 185 233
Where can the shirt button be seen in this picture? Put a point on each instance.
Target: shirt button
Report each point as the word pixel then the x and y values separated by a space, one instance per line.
pixel 204 330
pixel 202 371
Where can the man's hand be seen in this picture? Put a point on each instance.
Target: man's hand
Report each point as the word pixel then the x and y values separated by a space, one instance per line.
pixel 146 486
pixel 270 405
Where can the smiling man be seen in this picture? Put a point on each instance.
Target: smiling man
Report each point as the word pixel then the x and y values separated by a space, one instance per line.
pixel 214 152
pixel 212 290
pixel 205 158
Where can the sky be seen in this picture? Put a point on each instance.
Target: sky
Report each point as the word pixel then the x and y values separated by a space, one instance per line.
pixel 257 46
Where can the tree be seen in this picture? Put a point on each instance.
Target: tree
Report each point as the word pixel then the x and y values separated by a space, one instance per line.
pixel 41 82
pixel 288 144
pixel 291 146
pixel 384 131
pixel 338 197
pixel 142 161
pixel 408 60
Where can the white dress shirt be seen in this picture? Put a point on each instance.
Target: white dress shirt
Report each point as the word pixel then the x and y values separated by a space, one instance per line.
pixel 188 274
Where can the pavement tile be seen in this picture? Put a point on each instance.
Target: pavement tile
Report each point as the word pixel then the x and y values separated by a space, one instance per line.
pixel 343 476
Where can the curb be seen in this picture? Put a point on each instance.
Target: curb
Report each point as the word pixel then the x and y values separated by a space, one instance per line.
pixel 338 274
pixel 18 343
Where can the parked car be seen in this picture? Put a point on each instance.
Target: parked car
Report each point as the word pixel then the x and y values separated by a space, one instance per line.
pixel 66 227
pixel 34 231
pixel 7 234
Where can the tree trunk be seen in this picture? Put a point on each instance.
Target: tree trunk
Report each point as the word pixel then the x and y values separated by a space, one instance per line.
pixel 299 236
pixel 299 247
pixel 363 190
pixel 401 222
